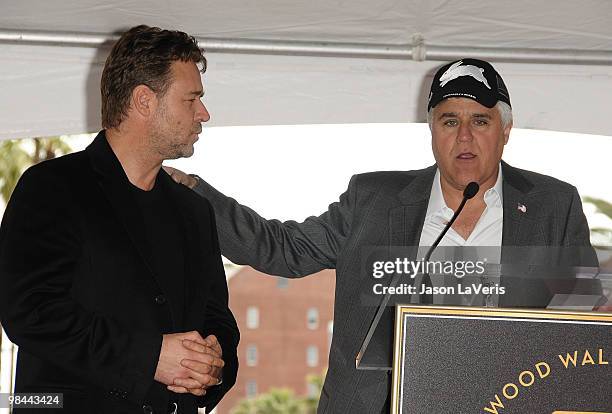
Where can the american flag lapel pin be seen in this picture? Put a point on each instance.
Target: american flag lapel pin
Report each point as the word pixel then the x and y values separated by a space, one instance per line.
pixel 521 208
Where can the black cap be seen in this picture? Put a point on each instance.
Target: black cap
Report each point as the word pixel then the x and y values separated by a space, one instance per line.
pixel 468 78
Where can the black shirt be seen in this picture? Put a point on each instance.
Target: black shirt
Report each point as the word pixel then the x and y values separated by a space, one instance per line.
pixel 165 247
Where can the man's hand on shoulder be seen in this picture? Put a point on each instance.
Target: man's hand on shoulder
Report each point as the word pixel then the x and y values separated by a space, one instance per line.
pixel 188 363
pixel 181 177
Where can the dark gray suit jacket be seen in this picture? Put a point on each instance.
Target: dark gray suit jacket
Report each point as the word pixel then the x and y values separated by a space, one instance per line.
pixel 379 209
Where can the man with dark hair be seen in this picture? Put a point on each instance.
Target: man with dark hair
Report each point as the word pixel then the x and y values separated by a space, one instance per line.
pixel 135 62
pixel 470 119
pixel 103 284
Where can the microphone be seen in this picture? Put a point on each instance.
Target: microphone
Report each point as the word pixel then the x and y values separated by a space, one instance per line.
pixel 469 192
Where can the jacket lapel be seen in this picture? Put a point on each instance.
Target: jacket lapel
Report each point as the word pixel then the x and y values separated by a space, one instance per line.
pixel 521 226
pixel 115 185
pixel 405 224
pixel 406 221
pixel 193 251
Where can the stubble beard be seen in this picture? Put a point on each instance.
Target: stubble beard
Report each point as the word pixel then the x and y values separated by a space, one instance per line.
pixel 163 138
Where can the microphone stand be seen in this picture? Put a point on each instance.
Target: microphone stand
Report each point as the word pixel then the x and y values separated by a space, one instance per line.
pixel 469 192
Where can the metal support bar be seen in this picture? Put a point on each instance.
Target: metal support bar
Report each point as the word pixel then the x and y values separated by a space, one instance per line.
pixel 418 51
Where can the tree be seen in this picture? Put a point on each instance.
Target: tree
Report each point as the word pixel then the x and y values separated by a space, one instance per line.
pixel 311 402
pixel 602 235
pixel 17 155
pixel 282 401
pixel 13 161
pixel 276 401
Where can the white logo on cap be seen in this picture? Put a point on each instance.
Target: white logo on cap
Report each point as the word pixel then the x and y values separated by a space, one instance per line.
pixel 456 70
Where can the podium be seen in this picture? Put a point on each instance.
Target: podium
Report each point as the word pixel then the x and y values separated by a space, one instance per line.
pixel 458 359
pixel 492 360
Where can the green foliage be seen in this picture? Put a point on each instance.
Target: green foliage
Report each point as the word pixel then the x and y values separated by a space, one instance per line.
pixel 17 155
pixel 601 235
pixel 276 401
pixel 311 403
pixel 13 161
pixel 602 206
pixel 282 401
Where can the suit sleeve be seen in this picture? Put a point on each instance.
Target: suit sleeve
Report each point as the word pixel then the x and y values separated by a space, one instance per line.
pixel 577 234
pixel 289 248
pixel 576 239
pixel 40 256
pixel 220 322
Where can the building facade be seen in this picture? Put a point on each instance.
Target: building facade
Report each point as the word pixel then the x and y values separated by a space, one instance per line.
pixel 285 332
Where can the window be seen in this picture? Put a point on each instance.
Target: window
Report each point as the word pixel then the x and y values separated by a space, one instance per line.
pixel 251 388
pixel 312 318
pixel 282 282
pixel 252 317
pixel 251 355
pixel 312 356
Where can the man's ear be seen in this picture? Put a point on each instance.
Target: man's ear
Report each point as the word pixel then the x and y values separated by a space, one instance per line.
pixel 144 100
pixel 507 133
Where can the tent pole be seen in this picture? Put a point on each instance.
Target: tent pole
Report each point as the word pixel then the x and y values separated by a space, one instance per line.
pixel 417 51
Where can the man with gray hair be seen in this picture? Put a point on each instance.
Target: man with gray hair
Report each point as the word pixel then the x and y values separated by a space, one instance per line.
pixel 470 119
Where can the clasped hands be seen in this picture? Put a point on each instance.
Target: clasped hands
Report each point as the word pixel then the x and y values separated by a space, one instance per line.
pixel 189 363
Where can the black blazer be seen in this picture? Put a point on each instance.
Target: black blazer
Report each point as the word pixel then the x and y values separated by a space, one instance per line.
pixel 78 294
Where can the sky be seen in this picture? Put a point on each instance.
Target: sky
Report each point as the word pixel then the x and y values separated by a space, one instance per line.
pixel 294 171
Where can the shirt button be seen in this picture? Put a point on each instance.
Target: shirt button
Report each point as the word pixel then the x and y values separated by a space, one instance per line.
pixel 147 409
pixel 160 299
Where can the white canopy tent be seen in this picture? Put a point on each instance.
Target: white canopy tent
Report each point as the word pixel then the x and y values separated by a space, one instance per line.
pixel 311 62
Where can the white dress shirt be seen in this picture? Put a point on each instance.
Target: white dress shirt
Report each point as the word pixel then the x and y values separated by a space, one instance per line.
pixel 488 230
pixel 486 233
